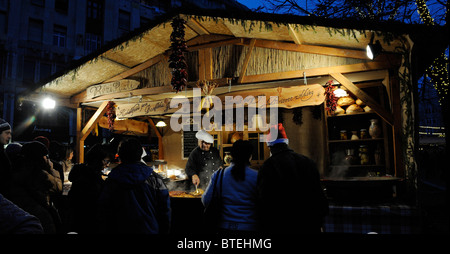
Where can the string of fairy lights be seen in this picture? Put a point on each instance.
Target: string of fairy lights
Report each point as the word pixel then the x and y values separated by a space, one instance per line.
pixel 438 71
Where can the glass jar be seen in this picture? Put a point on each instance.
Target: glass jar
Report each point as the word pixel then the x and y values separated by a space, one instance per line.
pixel 363 133
pixel 364 154
pixel 344 135
pixel 227 158
pixel 350 158
pixel 354 135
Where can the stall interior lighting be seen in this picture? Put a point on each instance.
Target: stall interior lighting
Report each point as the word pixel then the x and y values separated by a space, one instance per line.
pixel 339 92
pixel 48 103
pixel 161 124
pixel 373 49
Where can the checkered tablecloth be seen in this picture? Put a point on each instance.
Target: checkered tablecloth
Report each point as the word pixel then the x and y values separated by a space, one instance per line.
pixel 382 219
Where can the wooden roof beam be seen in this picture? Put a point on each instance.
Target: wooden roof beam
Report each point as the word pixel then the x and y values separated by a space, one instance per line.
pixel 136 69
pixel 312 49
pixel 246 60
pixel 317 72
pixel 197 27
pixel 94 120
pixel 351 68
pixel 115 62
pixel 294 35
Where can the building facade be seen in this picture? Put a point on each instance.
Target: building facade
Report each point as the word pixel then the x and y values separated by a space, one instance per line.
pixel 41 37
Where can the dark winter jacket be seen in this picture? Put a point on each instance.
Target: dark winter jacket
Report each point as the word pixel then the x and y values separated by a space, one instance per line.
pixel 14 220
pixel 5 172
pixel 291 199
pixel 134 200
pixel 87 184
pixel 30 191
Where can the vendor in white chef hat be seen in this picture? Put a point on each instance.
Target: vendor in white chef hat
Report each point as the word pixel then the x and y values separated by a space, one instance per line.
pixel 203 161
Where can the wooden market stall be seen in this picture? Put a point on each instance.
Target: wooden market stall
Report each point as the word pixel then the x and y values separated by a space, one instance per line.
pixel 252 54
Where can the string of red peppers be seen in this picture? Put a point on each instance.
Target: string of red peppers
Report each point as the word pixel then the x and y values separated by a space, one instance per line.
pixel 176 60
pixel 111 113
pixel 330 98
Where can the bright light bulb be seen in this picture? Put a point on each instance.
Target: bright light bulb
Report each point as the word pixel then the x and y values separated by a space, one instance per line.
pixel 161 124
pixel 369 52
pixel 48 103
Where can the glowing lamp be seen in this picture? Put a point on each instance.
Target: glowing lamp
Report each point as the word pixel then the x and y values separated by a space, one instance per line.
pixel 373 49
pixel 48 103
pixel 161 124
pixel 339 92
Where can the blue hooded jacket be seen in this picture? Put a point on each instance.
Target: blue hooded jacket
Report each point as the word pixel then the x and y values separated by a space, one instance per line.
pixel 134 200
pixel 238 199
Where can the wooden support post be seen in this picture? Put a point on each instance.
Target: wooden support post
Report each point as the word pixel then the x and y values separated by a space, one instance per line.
pixel 397 126
pixel 160 141
pixel 79 144
pixel 84 133
pixel 246 60
pixel 205 64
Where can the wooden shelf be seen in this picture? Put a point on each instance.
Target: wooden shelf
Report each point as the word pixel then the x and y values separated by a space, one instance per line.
pixel 360 178
pixel 355 140
pixel 358 166
pixel 379 149
pixel 353 114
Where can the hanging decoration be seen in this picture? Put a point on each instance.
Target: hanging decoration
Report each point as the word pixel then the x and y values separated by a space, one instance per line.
pixel 330 98
pixel 207 89
pixel 176 60
pixel 111 113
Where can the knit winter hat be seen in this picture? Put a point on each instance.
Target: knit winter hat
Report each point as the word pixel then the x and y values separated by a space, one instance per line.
pixel 277 135
pixel 4 125
pixel 33 150
pixel 43 140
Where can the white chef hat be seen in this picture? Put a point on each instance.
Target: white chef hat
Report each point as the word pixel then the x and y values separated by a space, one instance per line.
pixel 205 136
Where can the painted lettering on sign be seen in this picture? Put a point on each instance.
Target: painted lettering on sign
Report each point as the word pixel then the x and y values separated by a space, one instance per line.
pixel 143 109
pixel 113 87
pixel 283 97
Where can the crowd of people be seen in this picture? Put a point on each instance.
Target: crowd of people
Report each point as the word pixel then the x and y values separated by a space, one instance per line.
pixel 135 199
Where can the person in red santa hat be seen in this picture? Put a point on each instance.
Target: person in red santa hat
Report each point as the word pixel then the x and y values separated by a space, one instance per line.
pixel 290 197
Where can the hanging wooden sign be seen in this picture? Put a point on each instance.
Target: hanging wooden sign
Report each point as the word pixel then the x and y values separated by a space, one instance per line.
pixel 128 110
pixel 113 87
pixel 134 126
pixel 283 97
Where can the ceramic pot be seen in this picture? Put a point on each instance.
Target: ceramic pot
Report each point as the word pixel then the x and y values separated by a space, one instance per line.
pixel 374 129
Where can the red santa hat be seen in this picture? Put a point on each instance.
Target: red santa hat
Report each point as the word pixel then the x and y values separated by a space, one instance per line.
pixel 277 135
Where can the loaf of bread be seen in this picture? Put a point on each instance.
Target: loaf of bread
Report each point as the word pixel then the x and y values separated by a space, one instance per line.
pixel 354 108
pixel 339 111
pixel 345 101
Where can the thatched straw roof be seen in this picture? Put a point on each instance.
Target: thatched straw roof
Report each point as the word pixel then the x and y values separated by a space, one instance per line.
pixel 148 46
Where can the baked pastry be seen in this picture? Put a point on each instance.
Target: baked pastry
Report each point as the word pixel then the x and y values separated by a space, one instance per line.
pixel 345 101
pixel 367 109
pixel 360 103
pixel 354 108
pixel 339 111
